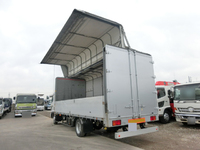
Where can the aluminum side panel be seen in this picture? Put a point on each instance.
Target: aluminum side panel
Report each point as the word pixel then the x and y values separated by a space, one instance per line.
pixel 91 107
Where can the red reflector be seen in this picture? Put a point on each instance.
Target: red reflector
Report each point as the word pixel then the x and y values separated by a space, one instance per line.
pixel 116 122
pixel 153 118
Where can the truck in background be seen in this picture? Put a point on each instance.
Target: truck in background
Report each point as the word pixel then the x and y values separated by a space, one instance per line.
pixel 53 106
pixel 48 103
pixel 40 102
pixel 187 103
pixel 26 104
pixel 1 107
pixel 165 103
pixel 106 84
pixel 8 104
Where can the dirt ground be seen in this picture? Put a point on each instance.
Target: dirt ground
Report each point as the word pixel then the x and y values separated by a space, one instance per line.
pixel 171 136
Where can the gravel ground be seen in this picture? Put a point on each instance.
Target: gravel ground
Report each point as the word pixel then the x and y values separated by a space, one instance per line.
pixel 171 136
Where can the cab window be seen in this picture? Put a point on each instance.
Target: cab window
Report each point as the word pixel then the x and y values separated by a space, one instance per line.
pixel 160 92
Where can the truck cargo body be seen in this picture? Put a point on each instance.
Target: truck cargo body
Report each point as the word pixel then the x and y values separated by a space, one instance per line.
pixel 121 92
pixel 106 83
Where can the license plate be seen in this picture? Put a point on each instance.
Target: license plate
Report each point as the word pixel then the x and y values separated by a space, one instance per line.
pixel 191 120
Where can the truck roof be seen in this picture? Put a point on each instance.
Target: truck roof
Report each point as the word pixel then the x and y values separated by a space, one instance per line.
pixel 81 31
pixel 166 83
pixel 84 31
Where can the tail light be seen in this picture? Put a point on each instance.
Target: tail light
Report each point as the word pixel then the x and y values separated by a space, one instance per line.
pixel 152 118
pixel 116 122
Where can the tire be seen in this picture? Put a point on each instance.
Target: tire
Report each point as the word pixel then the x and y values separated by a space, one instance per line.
pixel 52 115
pixel 54 120
pixel 125 128
pixel 80 128
pixel 142 125
pixel 166 117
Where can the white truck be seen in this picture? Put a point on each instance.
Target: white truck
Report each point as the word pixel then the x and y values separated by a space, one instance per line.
pixel 40 102
pixel 2 111
pixel 165 102
pixel 26 105
pixel 187 103
pixel 106 84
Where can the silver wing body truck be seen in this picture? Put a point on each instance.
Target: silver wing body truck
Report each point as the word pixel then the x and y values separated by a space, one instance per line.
pixel 106 84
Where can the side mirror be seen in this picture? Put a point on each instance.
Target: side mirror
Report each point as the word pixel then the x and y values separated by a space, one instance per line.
pixel 14 98
pixel 169 92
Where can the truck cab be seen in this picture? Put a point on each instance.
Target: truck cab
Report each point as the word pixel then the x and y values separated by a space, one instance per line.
pixel 25 104
pixel 8 104
pixel 40 103
pixel 165 103
pixel 187 103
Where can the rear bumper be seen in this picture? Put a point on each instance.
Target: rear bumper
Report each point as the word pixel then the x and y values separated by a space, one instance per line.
pixel 120 135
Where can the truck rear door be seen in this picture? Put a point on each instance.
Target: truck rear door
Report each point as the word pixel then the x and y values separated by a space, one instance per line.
pixel 117 85
pixel 129 85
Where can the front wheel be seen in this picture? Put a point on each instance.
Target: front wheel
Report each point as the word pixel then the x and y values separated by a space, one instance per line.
pixel 79 128
pixel 166 117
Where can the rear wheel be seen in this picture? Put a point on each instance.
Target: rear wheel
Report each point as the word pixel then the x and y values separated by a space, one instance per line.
pixel 52 115
pixel 142 125
pixel 80 128
pixel 54 120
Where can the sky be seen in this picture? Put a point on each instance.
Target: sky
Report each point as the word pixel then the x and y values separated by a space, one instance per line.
pixel 168 30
